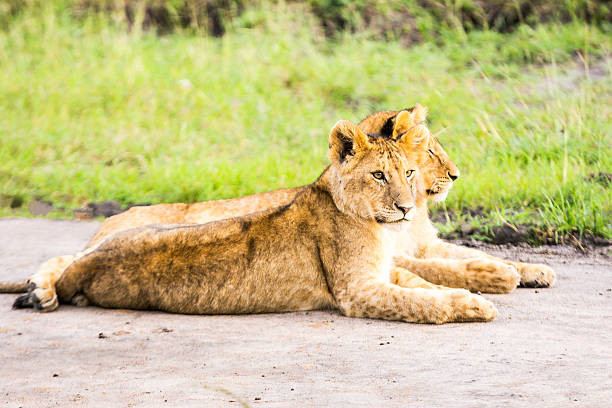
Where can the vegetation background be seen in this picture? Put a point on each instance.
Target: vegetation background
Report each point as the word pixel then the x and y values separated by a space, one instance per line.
pixel 193 100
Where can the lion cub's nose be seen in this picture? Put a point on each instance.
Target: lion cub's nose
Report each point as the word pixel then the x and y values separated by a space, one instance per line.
pixel 453 177
pixel 404 208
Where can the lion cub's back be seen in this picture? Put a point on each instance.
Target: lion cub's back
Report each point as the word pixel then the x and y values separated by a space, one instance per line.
pixel 140 216
pixel 200 213
pixel 196 213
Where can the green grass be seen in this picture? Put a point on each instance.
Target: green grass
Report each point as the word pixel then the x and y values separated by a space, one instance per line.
pixel 90 111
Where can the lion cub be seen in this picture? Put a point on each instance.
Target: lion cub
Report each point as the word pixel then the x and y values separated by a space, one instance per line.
pixel 421 251
pixel 331 247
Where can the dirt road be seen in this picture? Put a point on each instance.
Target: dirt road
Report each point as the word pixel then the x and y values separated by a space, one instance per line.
pixel 547 348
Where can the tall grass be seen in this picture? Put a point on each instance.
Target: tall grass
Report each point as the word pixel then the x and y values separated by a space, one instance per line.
pixel 91 111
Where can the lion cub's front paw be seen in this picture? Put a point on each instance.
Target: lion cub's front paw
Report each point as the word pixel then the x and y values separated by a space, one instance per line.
pixel 490 276
pixel 468 307
pixel 535 275
pixel 462 306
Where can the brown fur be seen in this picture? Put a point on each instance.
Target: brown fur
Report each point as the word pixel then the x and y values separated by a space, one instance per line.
pixel 438 261
pixel 329 248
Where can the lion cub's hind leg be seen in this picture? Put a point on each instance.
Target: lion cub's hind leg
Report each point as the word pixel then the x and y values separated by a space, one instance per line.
pixel 41 286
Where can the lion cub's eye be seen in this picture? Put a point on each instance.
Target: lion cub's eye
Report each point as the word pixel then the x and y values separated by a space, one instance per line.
pixel 431 153
pixel 409 173
pixel 378 175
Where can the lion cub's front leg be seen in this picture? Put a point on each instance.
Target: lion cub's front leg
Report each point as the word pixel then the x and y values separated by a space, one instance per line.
pixel 477 275
pixel 406 279
pixel 372 298
pixel 532 275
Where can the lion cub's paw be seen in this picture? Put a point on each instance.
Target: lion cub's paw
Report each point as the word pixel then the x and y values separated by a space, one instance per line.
pixel 23 301
pixel 535 275
pixel 44 299
pixel 40 298
pixel 463 306
pixel 490 276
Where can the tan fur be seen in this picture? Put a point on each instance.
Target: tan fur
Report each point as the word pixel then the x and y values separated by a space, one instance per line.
pixel 329 248
pixel 196 213
pixel 438 172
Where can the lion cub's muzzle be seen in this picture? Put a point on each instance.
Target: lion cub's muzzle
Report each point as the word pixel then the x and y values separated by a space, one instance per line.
pixel 407 211
pixel 404 213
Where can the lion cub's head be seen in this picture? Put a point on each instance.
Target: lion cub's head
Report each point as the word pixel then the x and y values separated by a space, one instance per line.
pixel 438 171
pixel 371 176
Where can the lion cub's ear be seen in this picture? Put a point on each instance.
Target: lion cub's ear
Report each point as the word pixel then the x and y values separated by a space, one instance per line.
pixel 408 118
pixel 346 139
pixel 409 127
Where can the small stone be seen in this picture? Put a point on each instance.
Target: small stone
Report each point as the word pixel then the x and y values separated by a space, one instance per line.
pixel 162 330
pixel 102 336
pixel 39 207
pixel 257 398
pixel 56 375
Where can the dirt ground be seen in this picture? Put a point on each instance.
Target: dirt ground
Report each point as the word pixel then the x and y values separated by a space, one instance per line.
pixel 547 348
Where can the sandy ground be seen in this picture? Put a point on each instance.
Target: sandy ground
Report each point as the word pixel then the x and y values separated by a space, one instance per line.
pixel 547 348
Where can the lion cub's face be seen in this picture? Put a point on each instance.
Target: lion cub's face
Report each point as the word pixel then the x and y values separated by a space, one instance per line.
pixel 372 177
pixel 437 170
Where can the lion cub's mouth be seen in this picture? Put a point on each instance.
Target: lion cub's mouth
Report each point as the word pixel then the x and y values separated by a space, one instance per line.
pixel 401 220
pixel 438 195
pixel 436 188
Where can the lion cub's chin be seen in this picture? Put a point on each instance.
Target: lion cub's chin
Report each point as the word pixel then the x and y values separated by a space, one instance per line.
pixel 397 226
pixel 438 198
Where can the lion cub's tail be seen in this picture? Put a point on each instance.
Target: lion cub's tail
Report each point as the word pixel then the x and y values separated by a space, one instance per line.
pixel 14 287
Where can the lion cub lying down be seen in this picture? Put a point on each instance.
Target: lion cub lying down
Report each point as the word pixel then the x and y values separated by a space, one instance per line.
pixel 331 247
pixel 420 250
